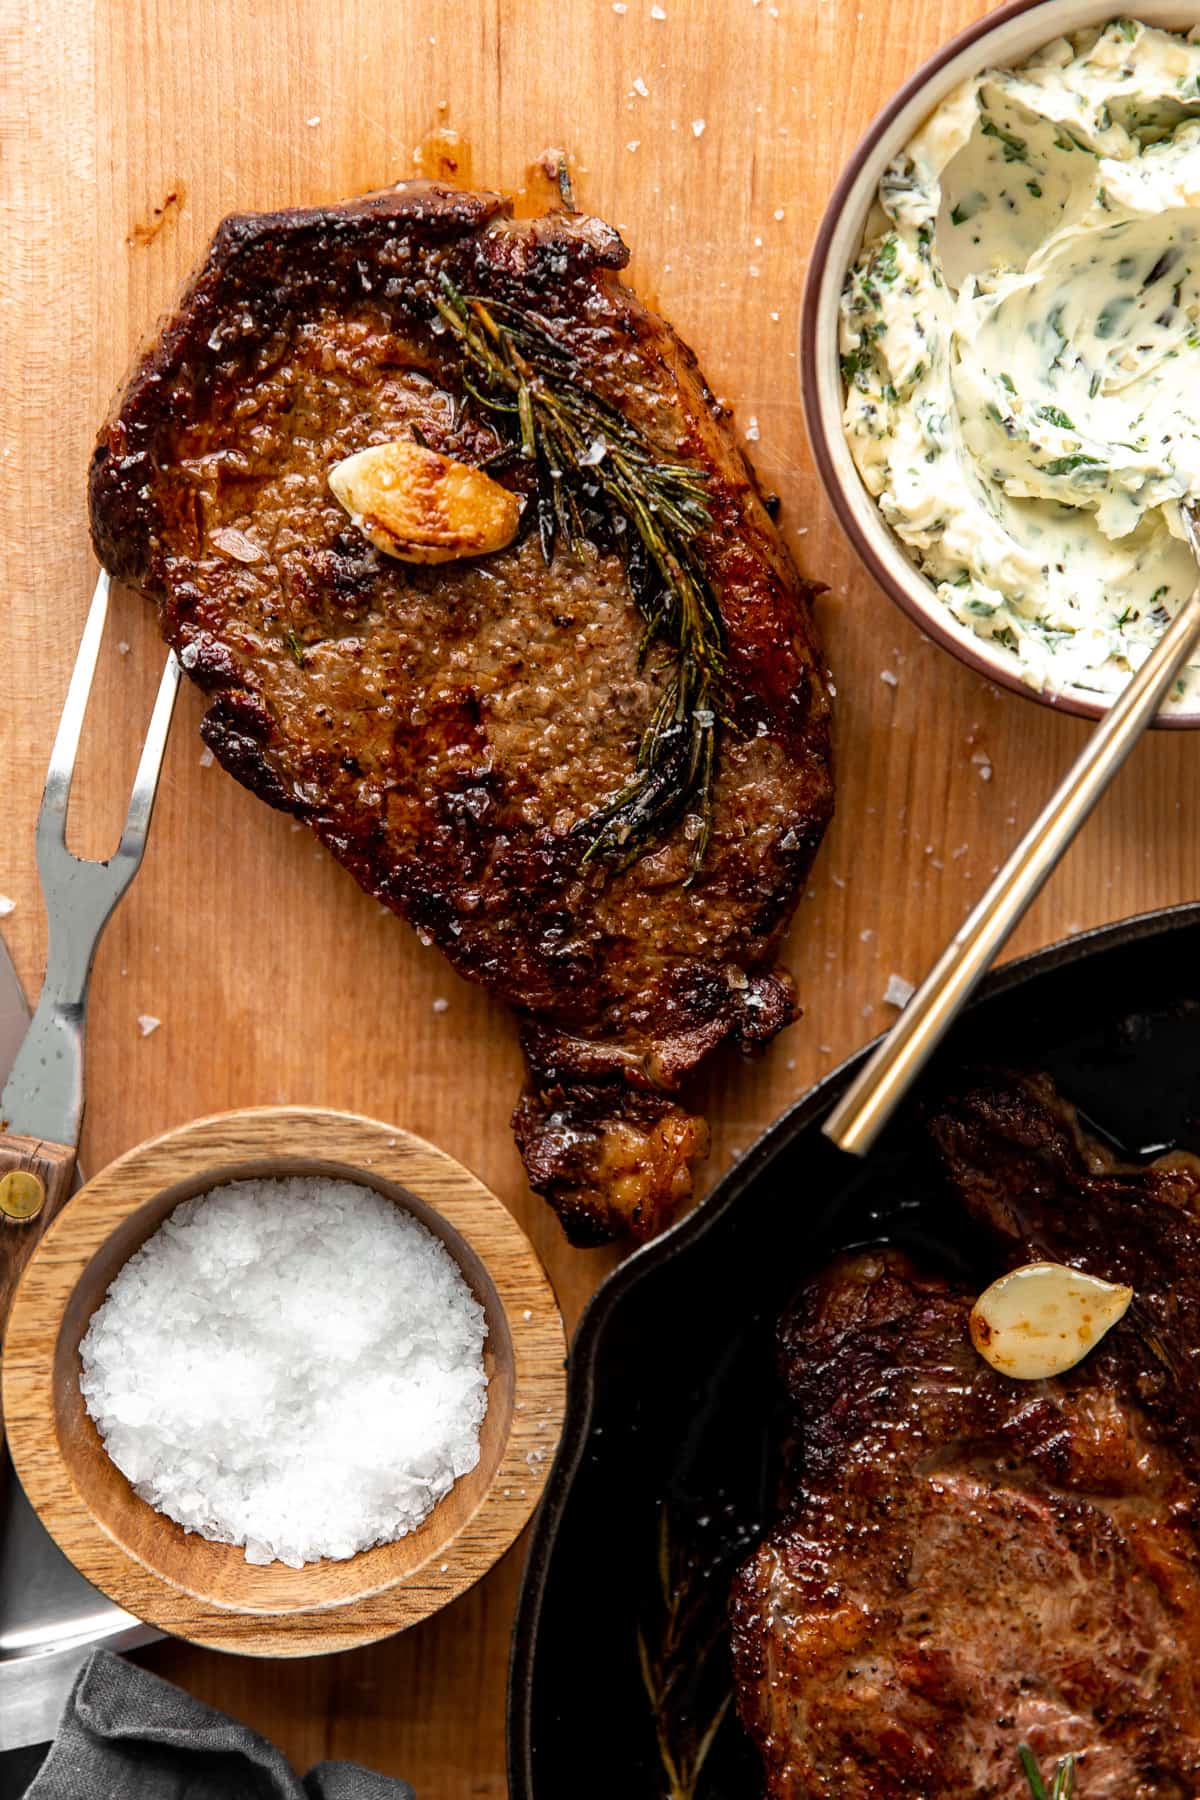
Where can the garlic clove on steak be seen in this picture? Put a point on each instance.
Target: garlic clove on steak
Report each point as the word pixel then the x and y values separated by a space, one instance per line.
pixel 1040 1320
pixel 423 507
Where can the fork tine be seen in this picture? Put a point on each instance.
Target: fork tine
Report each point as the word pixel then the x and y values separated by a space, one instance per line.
pixel 145 782
pixel 52 815
pixel 44 1090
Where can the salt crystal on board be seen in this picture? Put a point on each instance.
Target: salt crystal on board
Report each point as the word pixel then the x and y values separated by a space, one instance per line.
pixel 898 991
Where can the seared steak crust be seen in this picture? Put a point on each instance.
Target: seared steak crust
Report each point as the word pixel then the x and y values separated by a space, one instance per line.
pixel 442 730
pixel 966 1562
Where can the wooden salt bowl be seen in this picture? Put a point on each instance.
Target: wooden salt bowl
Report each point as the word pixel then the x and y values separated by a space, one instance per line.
pixel 206 1592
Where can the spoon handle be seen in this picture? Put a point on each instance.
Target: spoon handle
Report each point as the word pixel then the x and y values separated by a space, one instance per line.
pixel 871 1099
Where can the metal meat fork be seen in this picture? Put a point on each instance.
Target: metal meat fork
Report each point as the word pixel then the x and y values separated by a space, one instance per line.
pixel 41 1108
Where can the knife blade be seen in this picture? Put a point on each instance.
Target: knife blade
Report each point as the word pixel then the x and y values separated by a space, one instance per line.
pixel 49 1615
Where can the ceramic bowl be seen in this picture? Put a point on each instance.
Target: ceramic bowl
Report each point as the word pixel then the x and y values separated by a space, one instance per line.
pixel 1003 38
pixel 207 1592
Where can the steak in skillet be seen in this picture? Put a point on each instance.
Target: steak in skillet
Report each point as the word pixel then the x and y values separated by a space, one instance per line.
pixel 443 730
pixel 965 1561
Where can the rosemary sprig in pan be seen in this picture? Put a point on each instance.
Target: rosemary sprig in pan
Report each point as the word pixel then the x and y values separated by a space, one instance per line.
pixel 593 466
pixel 675 1642
pixel 1062 1783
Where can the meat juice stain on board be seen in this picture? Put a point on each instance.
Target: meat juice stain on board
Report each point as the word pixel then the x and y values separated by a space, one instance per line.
pixel 446 155
pixel 143 232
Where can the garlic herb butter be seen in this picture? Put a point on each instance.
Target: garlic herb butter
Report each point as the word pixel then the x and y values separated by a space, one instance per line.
pixel 1021 351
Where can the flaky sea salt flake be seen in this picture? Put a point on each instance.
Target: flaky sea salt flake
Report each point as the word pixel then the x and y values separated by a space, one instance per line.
pixel 898 991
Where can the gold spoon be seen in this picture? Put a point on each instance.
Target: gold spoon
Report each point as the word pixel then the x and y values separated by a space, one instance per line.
pixel 874 1095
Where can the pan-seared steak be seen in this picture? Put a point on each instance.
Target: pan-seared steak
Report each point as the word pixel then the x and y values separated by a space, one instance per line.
pixel 443 730
pixel 965 1561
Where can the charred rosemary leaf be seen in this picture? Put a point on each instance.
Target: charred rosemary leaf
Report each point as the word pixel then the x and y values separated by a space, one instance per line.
pixel 595 467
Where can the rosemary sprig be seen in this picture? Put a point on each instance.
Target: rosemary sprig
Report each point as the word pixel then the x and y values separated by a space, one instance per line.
pixel 593 467
pixel 675 1650
pixel 1062 1783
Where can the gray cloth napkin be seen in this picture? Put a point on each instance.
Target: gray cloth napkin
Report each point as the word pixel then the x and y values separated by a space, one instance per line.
pixel 126 1735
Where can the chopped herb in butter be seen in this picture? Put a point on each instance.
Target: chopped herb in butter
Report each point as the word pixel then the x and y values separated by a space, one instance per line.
pixel 1021 349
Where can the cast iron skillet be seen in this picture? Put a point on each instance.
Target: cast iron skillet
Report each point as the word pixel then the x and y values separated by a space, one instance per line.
pixel 667 1462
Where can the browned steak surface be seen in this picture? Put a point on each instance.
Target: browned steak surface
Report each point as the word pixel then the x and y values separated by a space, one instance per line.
pixel 443 729
pixel 965 1561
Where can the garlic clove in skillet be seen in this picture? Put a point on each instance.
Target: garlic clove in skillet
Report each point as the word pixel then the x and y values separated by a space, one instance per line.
pixel 1042 1319
pixel 422 507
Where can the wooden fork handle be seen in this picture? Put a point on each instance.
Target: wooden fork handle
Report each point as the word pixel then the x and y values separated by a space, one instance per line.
pixel 35 1179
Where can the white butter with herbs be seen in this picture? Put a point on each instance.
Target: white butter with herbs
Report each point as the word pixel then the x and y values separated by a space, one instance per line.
pixel 1021 347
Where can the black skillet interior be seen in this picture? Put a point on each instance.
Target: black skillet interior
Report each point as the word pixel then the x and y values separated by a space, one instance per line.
pixel 620 1661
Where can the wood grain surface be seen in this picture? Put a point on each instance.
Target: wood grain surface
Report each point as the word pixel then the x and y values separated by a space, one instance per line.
pixel 129 128
pixel 208 1593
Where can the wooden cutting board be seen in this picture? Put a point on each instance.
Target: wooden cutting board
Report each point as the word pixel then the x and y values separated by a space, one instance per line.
pixel 712 137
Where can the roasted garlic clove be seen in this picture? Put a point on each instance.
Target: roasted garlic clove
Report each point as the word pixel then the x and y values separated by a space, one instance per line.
pixel 1042 1319
pixel 422 507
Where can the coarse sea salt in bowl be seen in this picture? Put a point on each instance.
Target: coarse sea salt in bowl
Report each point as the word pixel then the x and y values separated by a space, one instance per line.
pixel 501 1314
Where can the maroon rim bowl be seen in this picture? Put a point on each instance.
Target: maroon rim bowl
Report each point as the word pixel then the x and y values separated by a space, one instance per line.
pixel 1001 39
